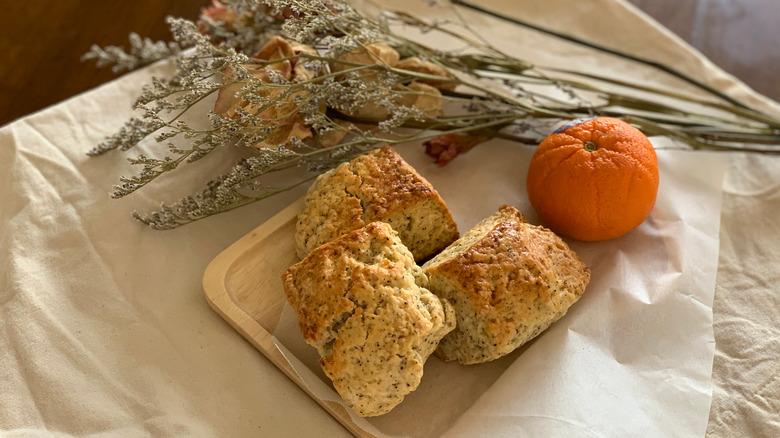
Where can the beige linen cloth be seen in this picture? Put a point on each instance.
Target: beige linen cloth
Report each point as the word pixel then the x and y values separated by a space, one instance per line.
pixel 104 330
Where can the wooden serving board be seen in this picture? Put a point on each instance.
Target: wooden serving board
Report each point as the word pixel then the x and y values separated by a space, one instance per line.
pixel 243 284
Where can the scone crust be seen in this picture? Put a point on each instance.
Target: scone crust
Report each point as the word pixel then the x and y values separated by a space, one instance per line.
pixel 507 286
pixel 377 186
pixel 361 301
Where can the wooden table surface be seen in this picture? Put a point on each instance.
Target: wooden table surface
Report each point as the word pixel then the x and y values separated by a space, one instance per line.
pixel 41 41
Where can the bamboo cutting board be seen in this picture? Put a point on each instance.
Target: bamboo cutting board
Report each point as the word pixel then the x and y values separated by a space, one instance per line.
pixel 243 285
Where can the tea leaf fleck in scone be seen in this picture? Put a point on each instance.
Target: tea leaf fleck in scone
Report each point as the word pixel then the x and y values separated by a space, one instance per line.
pixel 508 281
pixel 362 302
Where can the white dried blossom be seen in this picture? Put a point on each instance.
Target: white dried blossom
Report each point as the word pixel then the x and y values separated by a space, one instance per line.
pixel 143 51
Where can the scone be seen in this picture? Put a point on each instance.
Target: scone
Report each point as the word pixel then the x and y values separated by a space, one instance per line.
pixel 361 301
pixel 377 186
pixel 508 281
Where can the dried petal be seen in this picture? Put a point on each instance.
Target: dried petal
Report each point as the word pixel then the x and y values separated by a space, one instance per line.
pixel 219 12
pixel 425 97
pixel 227 102
pixel 282 135
pixel 301 72
pixel 445 148
pixel 284 114
pixel 371 110
pixel 376 53
pixel 416 95
pixel 371 54
pixel 417 65
pixel 277 48
pixel 332 137
pixel 283 14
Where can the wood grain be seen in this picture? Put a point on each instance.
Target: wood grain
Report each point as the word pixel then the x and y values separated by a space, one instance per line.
pixel 41 41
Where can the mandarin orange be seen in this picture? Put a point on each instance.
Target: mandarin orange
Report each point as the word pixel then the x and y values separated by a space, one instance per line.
pixel 595 180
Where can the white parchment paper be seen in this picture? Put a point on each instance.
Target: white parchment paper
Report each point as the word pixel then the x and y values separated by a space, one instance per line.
pixel 632 358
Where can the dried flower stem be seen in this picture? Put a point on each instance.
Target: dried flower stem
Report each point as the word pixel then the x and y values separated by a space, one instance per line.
pixel 341 82
pixel 608 50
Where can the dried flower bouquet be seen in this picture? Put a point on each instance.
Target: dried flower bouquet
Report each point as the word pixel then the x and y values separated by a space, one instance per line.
pixel 312 83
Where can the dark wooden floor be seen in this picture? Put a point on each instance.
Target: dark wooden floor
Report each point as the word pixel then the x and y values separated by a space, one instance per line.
pixel 41 41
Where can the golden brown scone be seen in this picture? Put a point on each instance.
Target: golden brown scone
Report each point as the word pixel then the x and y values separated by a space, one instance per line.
pixel 508 281
pixel 378 186
pixel 361 301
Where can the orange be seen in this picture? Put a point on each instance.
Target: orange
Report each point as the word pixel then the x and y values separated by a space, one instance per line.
pixel 595 180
